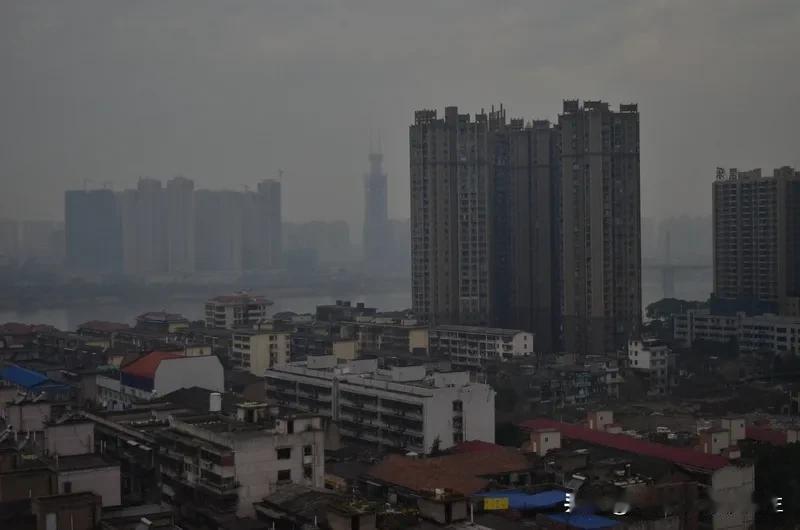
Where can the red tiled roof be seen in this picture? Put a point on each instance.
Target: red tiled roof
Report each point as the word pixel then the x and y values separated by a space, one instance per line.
pixel 766 435
pixel 147 365
pixel 460 473
pixel 621 442
pixel 15 328
pixel 475 446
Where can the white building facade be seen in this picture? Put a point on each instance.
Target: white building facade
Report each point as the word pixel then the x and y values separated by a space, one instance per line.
pixel 402 407
pixel 777 334
pixel 239 310
pixel 475 345
pixel 259 350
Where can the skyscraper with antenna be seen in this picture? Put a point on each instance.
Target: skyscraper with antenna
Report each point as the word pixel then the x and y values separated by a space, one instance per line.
pixel 376 234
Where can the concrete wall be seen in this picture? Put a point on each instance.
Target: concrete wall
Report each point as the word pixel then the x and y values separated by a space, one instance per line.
pixel 70 438
pixel 478 400
pixel 26 484
pixel 28 416
pixel 257 465
pixel 103 481
pixel 735 428
pixel 185 372
pixel 346 350
pixel 732 490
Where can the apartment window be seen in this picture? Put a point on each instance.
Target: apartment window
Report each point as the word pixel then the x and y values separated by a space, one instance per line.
pixel 308 450
pixel 284 453
pixel 284 475
pixel 67 487
pixel 308 472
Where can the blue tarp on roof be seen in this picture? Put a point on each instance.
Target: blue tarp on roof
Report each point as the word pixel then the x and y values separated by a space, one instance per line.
pixel 22 376
pixel 520 500
pixel 587 522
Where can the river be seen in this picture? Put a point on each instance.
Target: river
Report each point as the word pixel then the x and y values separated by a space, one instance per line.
pixel 693 287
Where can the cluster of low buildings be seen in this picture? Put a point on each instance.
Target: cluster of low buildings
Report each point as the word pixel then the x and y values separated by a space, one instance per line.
pixel 349 418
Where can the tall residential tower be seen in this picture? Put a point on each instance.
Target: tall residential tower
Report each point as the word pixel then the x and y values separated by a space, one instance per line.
pixel 757 241
pixel 601 226
pixel 450 217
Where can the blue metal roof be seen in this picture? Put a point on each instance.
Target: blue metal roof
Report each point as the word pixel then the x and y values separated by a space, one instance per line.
pixel 20 376
pixel 587 522
pixel 520 500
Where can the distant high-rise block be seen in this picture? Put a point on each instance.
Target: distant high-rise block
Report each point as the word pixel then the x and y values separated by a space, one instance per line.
pixel 180 225
pixel 92 231
pixel 9 241
pixel 145 228
pixel 757 240
pixel 219 217
pixel 376 234
pixel 262 227
pixel 601 226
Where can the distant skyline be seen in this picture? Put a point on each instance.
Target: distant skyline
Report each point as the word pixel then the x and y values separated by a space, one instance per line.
pixel 229 93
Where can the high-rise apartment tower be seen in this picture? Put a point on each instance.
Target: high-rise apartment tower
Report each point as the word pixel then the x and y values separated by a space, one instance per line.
pixel 601 226
pixel 757 241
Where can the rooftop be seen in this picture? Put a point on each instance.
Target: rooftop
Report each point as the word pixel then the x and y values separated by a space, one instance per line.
pixel 461 473
pixel 677 455
pixel 478 330
pixel 241 298
pixel 160 317
pixel 147 365
pixel 76 462
pixel 104 326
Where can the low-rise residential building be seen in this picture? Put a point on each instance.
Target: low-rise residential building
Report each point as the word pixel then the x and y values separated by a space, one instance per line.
pixel 475 346
pixel 404 407
pixel 156 374
pixel 101 332
pixel 727 486
pixel 388 332
pixel 257 350
pixel 240 310
pixel 652 359
pixel 89 472
pixel 161 322
pixel 769 333
pixel 343 310
pixel 228 464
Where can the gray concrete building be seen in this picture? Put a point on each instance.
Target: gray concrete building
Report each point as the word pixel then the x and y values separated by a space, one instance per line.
pixel 450 217
pixel 757 241
pixel 526 235
pixel 601 223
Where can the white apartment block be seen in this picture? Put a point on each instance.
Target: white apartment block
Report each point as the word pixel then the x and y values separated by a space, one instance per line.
pixel 475 345
pixel 259 350
pixel 652 358
pixel 777 334
pixel 235 463
pixel 239 310
pixel 402 407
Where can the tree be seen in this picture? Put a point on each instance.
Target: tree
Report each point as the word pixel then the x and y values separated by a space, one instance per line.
pixel 666 307
pixel 436 447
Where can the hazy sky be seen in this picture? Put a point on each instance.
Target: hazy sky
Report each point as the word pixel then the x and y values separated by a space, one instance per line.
pixel 227 92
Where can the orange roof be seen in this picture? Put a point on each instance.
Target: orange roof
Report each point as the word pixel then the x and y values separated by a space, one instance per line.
pixel 147 365
pixel 461 473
